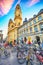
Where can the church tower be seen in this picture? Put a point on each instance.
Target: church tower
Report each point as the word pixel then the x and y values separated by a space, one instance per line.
pixel 18 16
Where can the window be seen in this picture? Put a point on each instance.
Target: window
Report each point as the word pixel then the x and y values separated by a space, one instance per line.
pixel 19 14
pixel 34 21
pixel 41 27
pixel 18 23
pixel 39 18
pixel 12 26
pixel 30 23
pixel 35 29
pixel 30 29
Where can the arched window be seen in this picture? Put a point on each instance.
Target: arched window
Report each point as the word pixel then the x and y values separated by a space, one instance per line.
pixel 35 29
pixel 30 23
pixel 41 27
pixel 39 18
pixel 12 26
pixel 31 29
pixel 34 21
pixel 19 14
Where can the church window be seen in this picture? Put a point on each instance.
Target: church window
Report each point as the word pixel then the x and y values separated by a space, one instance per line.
pixel 12 26
pixel 19 14
pixel 19 23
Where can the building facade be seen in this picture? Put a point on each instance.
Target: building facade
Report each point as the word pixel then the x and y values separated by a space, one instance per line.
pixel 1 36
pixel 33 27
pixel 29 28
pixel 13 25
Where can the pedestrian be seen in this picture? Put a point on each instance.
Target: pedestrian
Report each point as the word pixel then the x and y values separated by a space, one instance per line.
pixel 29 57
pixel 29 41
pixel 22 41
pixel 11 45
pixel 14 43
pixel 38 42
pixel 25 40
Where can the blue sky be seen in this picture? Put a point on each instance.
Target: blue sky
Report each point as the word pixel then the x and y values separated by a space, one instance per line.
pixel 28 8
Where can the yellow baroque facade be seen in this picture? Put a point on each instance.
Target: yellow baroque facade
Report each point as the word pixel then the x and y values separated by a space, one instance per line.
pixel 30 28
pixel 13 26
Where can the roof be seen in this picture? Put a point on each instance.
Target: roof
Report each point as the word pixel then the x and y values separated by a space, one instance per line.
pixel 17 17
pixel 40 12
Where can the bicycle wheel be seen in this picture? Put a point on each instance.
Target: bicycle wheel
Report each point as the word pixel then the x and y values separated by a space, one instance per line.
pixel 20 58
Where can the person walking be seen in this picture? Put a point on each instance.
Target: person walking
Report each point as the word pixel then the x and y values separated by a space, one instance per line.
pixel 25 40
pixel 29 41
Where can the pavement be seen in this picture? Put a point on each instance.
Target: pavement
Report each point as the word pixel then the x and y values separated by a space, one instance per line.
pixel 12 60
